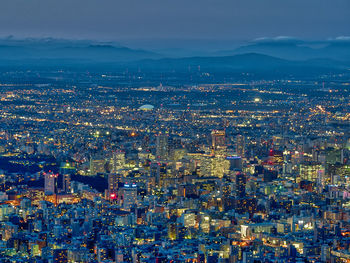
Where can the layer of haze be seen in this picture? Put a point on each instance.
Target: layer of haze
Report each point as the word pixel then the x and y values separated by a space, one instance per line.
pixel 168 21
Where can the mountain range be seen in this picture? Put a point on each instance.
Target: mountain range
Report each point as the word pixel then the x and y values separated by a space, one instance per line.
pixel 280 56
pixel 50 49
pixel 296 49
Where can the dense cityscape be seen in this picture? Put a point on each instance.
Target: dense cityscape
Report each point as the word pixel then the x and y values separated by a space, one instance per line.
pixel 187 131
pixel 112 167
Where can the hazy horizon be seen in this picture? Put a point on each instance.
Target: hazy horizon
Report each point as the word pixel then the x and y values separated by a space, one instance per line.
pixel 181 44
pixel 166 21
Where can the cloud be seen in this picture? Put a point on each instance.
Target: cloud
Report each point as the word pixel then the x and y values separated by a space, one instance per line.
pixel 275 39
pixel 340 38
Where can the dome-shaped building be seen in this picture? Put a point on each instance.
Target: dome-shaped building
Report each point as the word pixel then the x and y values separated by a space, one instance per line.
pixel 146 107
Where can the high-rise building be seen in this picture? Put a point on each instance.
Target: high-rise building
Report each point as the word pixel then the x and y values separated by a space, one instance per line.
pixel 219 166
pixel 240 184
pixel 117 161
pixel 50 183
pixel 158 172
pixel 129 196
pixel 312 172
pixel 334 160
pixel 172 231
pixel 162 146
pixel 66 183
pixel 155 171
pixel 203 163
pixel 342 170
pixel 240 145
pixel 217 139
pixel 97 165
pixel 114 179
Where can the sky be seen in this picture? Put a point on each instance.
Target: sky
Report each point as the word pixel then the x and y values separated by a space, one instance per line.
pixel 174 21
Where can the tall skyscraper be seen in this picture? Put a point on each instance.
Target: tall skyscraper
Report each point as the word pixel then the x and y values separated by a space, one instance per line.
pixel 117 161
pixel 240 184
pixel 155 171
pixel 158 172
pixel 219 152
pixel 50 183
pixel 113 185
pixel 66 183
pixel 240 145
pixel 218 139
pixel 97 165
pixel 129 196
pixel 162 146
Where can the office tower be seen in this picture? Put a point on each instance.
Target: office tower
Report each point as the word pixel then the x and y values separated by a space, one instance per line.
pixel 313 172
pixel 205 223
pixel 203 163
pixel 113 185
pixel 334 161
pixel 50 183
pixel 240 145
pixel 97 165
pixel 172 231
pixel 219 166
pixel 342 170
pixel 186 190
pixel 66 183
pixel 129 196
pixel 162 146
pixel 175 148
pixel 217 139
pixel 117 161
pixel 158 172
pixel 155 171
pixel 240 184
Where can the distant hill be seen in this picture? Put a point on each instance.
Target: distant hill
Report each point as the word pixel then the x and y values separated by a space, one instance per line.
pixel 49 49
pixel 295 49
pixel 266 58
pixel 237 62
pixel 240 63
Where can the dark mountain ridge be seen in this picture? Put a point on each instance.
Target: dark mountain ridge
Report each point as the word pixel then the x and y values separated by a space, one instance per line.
pixel 51 54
